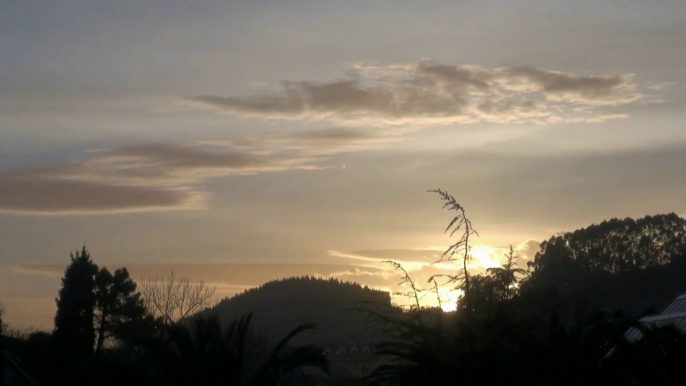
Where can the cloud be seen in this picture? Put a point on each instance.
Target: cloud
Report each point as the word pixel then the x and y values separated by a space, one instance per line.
pixel 129 179
pixel 358 274
pixel 419 255
pixel 364 267
pixel 236 274
pixel 427 260
pixel 417 259
pixel 37 196
pixel 373 269
pixel 429 93
pixel 371 109
pixel 321 142
pixel 420 265
pixel 605 89
pixel 528 249
pixel 230 278
pixel 39 269
pixel 660 86
pixel 158 177
pixel 336 140
pixel 488 256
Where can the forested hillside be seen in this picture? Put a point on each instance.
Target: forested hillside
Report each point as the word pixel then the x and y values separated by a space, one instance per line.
pixel 629 264
pixel 612 246
pixel 334 306
pixel 560 321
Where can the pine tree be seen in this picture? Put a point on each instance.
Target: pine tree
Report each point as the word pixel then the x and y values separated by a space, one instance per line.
pixel 118 305
pixel 74 333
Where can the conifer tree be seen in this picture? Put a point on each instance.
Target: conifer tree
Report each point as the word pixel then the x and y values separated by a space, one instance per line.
pixel 117 304
pixel 74 332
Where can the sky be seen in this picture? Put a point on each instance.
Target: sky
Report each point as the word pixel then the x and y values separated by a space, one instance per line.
pixel 241 141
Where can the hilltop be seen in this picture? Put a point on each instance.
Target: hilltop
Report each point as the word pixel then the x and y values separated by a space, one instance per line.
pixel 619 264
pixel 336 307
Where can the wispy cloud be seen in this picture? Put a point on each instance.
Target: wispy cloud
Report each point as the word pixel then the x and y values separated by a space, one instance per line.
pixel 421 265
pixel 158 177
pixel 483 256
pixel 373 108
pixel 44 196
pixel 129 179
pixel 429 261
pixel 429 93
pixel 235 274
pixel 660 86
pixel 321 142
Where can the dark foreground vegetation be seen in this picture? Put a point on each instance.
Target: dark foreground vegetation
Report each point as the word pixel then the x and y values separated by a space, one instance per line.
pixel 561 320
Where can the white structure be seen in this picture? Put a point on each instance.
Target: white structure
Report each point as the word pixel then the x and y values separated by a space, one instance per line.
pixel 675 315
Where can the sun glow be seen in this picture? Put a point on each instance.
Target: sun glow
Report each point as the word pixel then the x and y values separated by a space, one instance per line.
pixel 449 299
pixel 485 256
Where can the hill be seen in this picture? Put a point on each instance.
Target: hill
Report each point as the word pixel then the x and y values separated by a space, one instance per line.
pixel 613 246
pixel 628 265
pixel 334 306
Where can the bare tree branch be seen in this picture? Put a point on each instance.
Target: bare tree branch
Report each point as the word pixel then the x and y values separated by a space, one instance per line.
pixel 173 299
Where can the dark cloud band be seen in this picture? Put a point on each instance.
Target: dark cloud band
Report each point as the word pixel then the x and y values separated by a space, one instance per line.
pixel 127 179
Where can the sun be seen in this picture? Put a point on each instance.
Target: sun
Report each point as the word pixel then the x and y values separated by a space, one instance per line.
pixel 485 255
pixel 449 299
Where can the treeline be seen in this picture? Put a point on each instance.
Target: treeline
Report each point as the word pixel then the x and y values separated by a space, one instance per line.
pixel 559 320
pixel 541 325
pixel 612 246
pixel 306 286
pixel 96 303
pixel 108 333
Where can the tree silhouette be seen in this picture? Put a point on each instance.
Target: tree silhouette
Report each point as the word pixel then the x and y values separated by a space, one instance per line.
pixel 483 290
pixel 205 355
pixel 173 299
pixel 74 332
pixel 506 276
pixel 118 305
pixel 612 246
pixel 459 251
pixel 414 294
pixel 418 355
pixel 2 311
